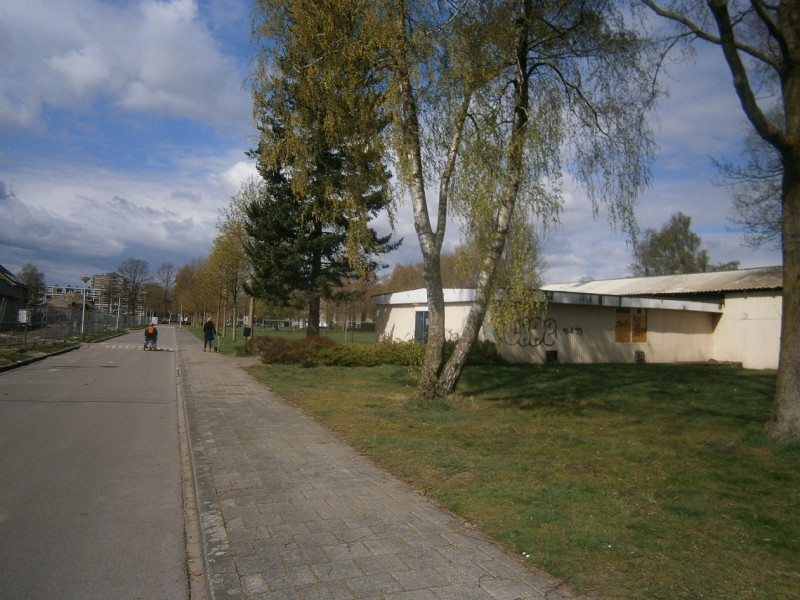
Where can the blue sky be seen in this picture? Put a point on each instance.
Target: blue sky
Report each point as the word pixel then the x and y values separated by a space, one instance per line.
pixel 124 126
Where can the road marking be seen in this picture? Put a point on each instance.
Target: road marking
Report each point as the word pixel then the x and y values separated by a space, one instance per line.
pixel 134 347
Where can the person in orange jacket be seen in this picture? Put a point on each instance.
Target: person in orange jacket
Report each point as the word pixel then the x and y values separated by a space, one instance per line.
pixel 150 336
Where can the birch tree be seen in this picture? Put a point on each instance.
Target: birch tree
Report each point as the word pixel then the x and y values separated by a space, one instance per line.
pixel 228 265
pixel 191 291
pixel 490 103
pixel 760 41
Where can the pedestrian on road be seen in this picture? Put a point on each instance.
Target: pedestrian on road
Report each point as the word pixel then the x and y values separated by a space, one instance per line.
pixel 209 331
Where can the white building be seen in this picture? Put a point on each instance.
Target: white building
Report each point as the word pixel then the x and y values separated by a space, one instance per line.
pixel 731 316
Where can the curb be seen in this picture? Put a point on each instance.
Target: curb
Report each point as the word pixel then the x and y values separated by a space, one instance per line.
pixel 195 561
pixel 36 359
pixel 221 577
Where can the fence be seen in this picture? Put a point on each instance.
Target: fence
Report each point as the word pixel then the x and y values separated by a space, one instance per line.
pixel 47 324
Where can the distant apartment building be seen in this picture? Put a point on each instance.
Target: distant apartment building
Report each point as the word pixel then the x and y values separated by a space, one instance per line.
pixel 103 291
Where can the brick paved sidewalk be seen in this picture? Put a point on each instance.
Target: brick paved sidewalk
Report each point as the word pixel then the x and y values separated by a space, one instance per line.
pixel 288 511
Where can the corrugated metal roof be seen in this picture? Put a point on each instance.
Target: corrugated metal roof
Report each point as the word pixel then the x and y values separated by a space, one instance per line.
pixel 420 296
pixel 763 278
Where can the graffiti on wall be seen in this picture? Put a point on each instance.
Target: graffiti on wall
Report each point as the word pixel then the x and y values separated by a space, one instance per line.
pixel 532 332
pixel 537 332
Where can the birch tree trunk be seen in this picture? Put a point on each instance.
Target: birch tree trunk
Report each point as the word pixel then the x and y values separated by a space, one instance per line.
pixel 785 423
pixel 455 365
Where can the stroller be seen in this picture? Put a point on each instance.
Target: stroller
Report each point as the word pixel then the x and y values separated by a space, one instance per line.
pixel 150 338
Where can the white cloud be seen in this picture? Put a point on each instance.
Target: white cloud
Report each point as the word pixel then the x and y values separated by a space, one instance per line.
pixel 28 227
pixel 237 174
pixel 83 69
pixel 146 56
pixel 67 214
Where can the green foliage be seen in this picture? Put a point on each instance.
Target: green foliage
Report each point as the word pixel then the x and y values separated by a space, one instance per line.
pixel 277 350
pixel 320 155
pixel 227 267
pixel 322 351
pixel 398 353
pixel 673 250
pixel 493 102
pixel 32 277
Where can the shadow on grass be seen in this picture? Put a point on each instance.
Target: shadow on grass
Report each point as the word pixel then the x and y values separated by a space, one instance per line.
pixel 689 391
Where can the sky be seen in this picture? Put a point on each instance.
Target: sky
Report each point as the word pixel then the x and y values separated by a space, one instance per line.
pixel 124 127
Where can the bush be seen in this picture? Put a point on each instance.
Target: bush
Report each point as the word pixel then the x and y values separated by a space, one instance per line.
pixel 347 355
pixel 277 350
pixel 322 351
pixel 408 354
pixel 400 353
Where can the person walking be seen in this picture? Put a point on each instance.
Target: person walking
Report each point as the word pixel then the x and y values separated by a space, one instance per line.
pixel 209 331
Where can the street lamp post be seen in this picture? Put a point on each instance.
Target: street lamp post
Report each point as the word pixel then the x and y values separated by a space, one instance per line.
pixel 83 306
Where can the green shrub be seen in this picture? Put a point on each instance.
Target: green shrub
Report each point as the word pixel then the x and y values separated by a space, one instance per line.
pixel 277 350
pixel 347 355
pixel 399 353
pixel 322 351
pixel 383 353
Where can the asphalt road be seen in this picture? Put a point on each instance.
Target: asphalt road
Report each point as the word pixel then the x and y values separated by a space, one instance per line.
pixel 90 475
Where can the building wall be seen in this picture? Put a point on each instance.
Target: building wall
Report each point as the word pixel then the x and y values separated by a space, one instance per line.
pixel 749 330
pixel 396 322
pixel 589 334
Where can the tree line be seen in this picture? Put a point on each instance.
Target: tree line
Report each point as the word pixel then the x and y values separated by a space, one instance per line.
pixel 216 284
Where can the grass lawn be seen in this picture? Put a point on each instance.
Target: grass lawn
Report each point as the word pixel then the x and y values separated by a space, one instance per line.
pixel 627 481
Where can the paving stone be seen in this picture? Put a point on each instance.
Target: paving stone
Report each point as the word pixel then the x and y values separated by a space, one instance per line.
pixel 381 564
pixel 342 569
pixel 373 585
pixel 292 577
pixel 290 512
pixel 420 579
pixel 412 595
pixel 326 590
